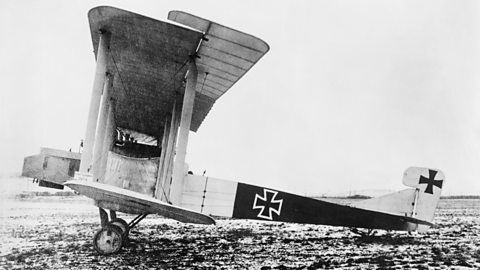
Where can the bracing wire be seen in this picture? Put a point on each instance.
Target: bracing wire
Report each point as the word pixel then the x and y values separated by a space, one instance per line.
pixel 124 87
pixel 204 79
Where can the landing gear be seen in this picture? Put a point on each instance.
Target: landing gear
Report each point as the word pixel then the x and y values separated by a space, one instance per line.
pixel 108 240
pixel 114 233
pixel 363 233
pixel 123 225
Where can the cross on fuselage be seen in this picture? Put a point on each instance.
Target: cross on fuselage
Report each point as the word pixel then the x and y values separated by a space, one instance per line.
pixel 430 181
pixel 268 204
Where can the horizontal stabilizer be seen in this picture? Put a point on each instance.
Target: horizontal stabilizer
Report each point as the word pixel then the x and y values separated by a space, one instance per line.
pixel 418 203
pixel 417 221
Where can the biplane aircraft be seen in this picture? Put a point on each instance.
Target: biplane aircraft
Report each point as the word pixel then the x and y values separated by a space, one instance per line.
pixel 154 83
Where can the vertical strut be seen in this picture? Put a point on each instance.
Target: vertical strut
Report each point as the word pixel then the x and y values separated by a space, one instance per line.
pixel 98 153
pixel 204 194
pixel 98 83
pixel 414 213
pixel 103 217
pixel 185 122
pixel 113 215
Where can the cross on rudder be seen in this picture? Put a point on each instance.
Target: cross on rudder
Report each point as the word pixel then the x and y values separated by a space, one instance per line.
pixel 430 181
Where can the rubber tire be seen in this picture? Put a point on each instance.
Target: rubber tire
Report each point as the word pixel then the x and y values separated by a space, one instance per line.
pixel 123 225
pixel 108 240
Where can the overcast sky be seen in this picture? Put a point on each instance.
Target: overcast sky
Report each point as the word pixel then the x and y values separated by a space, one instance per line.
pixel 350 94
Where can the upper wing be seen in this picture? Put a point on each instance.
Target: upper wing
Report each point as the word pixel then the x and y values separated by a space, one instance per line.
pixel 224 56
pixel 148 59
pixel 135 203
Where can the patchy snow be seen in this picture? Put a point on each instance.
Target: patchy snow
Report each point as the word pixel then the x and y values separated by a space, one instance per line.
pixel 56 233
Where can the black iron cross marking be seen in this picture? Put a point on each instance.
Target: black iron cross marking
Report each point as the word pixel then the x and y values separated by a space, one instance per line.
pixel 268 204
pixel 430 181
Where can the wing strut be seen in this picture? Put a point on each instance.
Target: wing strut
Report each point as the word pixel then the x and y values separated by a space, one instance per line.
pixel 185 121
pixel 98 84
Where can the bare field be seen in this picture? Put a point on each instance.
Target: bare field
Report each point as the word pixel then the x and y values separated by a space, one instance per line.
pixel 56 233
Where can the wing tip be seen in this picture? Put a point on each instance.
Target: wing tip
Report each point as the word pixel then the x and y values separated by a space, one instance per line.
pixel 174 15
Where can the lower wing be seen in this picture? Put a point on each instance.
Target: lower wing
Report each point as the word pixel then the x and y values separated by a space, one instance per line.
pixel 122 200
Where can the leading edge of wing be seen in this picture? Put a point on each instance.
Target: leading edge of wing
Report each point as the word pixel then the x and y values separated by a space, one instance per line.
pixel 148 205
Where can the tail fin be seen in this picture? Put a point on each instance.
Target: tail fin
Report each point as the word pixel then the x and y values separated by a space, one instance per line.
pixel 419 202
pixel 428 185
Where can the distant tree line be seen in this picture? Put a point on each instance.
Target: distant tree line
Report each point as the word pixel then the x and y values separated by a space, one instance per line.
pixel 461 197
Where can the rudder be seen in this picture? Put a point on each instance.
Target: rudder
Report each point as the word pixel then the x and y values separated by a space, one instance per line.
pixel 428 184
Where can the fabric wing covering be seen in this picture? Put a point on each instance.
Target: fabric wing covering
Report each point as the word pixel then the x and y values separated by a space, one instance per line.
pixel 225 55
pixel 149 61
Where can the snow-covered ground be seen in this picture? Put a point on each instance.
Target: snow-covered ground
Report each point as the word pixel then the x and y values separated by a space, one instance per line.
pixel 56 233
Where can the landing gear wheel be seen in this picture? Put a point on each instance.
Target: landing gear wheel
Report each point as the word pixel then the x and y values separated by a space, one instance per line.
pixel 123 225
pixel 108 240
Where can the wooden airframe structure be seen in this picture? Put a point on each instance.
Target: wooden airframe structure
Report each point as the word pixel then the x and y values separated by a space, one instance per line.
pixel 161 80
pixel 154 83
